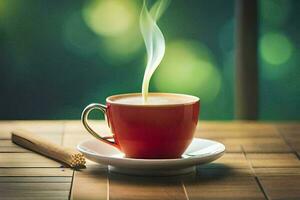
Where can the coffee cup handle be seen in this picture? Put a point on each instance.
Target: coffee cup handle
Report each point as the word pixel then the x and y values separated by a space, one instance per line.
pixel 84 120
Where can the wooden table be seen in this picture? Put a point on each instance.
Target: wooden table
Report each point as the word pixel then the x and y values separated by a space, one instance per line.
pixel 261 162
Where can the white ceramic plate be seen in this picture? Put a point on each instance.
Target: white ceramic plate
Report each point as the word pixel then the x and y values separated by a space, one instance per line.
pixel 200 151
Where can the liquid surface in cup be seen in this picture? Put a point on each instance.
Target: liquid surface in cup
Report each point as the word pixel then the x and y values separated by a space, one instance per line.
pixel 154 99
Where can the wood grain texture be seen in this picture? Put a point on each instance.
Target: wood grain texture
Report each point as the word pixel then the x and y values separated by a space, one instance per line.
pixel 35 186
pixel 238 133
pixel 36 179
pixel 26 160
pixel 287 126
pixel 292 137
pixel 34 190
pixel 281 187
pixel 235 126
pixel 231 145
pixel 223 187
pixel 90 183
pixel 264 145
pixel 74 131
pixel 5 128
pixel 52 130
pixel 244 136
pixel 220 171
pixel 13 150
pixel 33 172
pixel 255 145
pixel 7 146
pixel 122 187
pixel 229 160
pixel 275 160
pixel 264 153
pixel 283 171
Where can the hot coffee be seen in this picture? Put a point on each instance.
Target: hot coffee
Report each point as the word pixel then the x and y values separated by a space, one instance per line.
pixel 162 128
pixel 153 99
pixel 149 125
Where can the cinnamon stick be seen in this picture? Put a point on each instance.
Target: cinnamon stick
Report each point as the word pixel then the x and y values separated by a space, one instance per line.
pixel 42 146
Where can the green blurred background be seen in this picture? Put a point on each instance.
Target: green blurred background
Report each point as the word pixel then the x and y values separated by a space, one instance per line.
pixel 58 56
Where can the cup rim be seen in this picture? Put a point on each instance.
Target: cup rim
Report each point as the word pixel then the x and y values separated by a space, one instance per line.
pixel 193 101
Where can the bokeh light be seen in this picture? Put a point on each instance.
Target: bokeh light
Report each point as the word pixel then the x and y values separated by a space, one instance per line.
pixel 123 48
pixel 275 48
pixel 95 47
pixel 278 72
pixel 2 7
pixel 77 38
pixel 188 67
pixel 110 18
pixel 116 24
pixel 275 12
pixel 8 12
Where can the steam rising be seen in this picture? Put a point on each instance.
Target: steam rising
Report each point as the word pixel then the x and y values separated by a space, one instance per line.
pixel 154 40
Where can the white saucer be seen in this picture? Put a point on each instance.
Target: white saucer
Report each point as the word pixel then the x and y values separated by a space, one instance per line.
pixel 200 151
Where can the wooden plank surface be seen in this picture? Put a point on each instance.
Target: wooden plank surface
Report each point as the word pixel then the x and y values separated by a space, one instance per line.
pixel 123 187
pixel 36 179
pixel 90 183
pixel 52 130
pixel 217 171
pixel 271 171
pixel 237 133
pixel 262 161
pixel 291 136
pixel 223 187
pixel 74 132
pixel 25 172
pixel 235 126
pixel 229 160
pixel 281 187
pixel 34 190
pixel 5 128
pixel 288 160
pixel 27 175
pixel 26 160
pixel 7 146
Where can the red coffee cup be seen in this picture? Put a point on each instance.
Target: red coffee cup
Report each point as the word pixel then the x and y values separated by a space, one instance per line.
pixel 162 128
